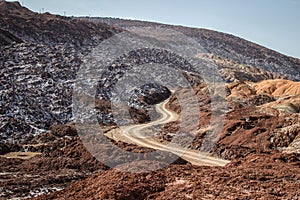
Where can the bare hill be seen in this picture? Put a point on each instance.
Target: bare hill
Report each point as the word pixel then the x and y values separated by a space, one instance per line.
pixel 226 46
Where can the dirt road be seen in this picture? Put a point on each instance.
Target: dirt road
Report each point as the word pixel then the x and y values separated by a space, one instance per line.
pixel 134 134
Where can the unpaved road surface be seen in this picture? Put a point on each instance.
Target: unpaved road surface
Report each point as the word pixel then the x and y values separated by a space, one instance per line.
pixel 134 134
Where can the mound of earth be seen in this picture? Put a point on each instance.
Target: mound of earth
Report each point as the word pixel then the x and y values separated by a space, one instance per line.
pixel 257 176
pixel 275 88
pixel 57 160
pixel 278 87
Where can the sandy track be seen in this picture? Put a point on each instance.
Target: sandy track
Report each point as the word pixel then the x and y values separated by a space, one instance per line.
pixel 134 134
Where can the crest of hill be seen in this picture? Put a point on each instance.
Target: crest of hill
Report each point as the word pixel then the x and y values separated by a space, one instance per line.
pixel 225 46
pixel 18 24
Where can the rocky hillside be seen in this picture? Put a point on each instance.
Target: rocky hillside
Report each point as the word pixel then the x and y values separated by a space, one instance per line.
pixel 40 55
pixel 40 151
pixel 19 24
pixel 227 47
pixel 44 51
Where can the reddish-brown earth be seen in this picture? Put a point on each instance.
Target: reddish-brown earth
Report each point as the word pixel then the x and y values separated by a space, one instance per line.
pixel 256 176
pixel 252 139
pixel 260 134
pixel 62 161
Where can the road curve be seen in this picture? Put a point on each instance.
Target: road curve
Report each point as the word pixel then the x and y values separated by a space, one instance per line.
pixel 134 134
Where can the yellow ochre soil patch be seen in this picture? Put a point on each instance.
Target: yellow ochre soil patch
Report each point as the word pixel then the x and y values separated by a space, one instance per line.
pixel 278 87
pixel 21 155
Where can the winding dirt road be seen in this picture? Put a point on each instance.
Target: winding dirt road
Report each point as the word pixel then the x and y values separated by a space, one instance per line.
pixel 135 135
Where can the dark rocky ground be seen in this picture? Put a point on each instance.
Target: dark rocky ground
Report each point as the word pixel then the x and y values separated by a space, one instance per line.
pixel 41 152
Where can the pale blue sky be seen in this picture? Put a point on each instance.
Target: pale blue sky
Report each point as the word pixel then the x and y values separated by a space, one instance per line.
pixel 271 23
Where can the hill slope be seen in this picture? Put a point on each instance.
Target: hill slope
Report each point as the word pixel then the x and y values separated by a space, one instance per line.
pixel 227 47
pixel 46 28
pixel 40 55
